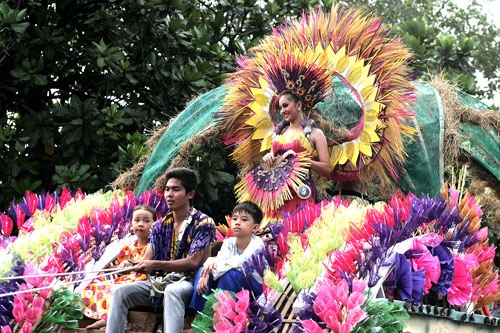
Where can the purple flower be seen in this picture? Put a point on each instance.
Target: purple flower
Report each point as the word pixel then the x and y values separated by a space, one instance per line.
pixel 418 279
pixel 123 228
pixel 306 312
pixel 410 285
pixel 263 316
pixel 403 278
pixel 447 269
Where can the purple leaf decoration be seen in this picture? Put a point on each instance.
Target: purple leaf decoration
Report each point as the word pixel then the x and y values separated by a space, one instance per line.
pixel 276 228
pixel 127 209
pixel 449 219
pixel 25 207
pixel 84 242
pixel 123 229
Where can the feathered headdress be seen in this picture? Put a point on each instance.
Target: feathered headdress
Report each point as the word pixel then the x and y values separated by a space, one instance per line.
pixel 341 46
pixel 299 75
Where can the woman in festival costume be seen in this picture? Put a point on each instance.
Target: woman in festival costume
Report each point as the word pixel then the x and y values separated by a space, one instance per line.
pixel 297 135
pixel 283 182
pixel 96 296
pixel 341 54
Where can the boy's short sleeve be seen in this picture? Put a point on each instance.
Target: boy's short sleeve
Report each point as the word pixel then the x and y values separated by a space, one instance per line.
pixel 203 235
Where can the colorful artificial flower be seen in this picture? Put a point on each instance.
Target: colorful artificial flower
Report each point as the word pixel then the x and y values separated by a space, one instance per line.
pixel 460 290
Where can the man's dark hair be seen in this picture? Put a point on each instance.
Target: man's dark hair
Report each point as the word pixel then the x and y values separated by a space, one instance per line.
pixel 146 208
pixel 186 176
pixel 250 208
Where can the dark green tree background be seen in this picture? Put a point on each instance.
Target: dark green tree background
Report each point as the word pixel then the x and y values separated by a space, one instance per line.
pixel 81 80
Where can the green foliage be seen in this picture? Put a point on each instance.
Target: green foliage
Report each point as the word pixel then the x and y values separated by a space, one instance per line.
pixel 65 309
pixel 382 316
pixel 446 38
pixel 216 170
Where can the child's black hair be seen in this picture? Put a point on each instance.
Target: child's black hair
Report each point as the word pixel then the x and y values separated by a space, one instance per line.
pixel 250 208
pixel 146 208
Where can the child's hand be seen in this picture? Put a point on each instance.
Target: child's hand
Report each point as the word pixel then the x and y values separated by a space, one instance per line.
pixel 207 269
pixel 202 286
pixel 125 263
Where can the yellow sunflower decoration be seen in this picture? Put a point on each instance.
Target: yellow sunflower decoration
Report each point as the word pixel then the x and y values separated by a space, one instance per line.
pixel 355 50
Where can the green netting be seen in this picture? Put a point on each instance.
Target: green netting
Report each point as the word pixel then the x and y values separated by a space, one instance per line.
pixel 197 116
pixel 424 163
pixel 482 144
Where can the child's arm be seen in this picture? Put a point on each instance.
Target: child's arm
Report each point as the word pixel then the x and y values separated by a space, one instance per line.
pixel 202 286
pixel 237 261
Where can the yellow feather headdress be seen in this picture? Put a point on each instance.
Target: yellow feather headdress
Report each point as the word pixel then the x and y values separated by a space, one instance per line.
pixel 349 47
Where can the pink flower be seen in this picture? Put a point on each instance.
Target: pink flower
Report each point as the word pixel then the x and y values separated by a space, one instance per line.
pixel 6 329
pixel 310 326
pixel 225 297
pixel 483 234
pixel 32 315
pixel 240 320
pixel 461 285
pixel 38 302
pixel 354 316
pixel 26 328
pixel 224 310
pixel 221 324
pixel 20 301
pixel 30 269
pixel 454 196
pixel 355 300
pixel 331 318
pixel 44 293
pixel 428 262
pixel 345 328
pixel 431 239
pixel 358 285
pixel 6 223
pixel 243 301
pixel 343 291
pixel 18 313
pixel 27 295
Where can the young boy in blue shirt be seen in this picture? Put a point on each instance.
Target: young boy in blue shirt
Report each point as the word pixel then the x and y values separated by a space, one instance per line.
pixel 224 271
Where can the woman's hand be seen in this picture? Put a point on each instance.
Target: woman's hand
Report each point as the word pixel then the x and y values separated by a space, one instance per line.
pixel 269 159
pixel 288 153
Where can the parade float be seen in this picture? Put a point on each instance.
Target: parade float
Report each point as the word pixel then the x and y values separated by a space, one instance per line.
pixel 419 247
